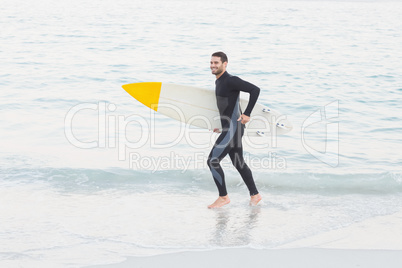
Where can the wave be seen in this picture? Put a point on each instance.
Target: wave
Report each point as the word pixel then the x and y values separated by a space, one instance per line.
pixel 69 179
pixel 358 183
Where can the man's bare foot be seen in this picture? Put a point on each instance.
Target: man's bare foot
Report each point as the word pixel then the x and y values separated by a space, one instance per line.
pixel 255 199
pixel 220 202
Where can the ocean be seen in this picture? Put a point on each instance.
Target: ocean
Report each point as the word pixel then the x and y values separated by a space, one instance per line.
pixel 88 175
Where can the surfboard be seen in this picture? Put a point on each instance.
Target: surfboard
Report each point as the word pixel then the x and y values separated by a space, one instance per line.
pixel 197 107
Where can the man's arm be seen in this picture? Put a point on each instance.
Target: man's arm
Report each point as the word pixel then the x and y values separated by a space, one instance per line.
pixel 245 86
pixel 254 92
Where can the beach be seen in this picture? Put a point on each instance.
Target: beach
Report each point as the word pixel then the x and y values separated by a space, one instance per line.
pixel 286 258
pixel 372 243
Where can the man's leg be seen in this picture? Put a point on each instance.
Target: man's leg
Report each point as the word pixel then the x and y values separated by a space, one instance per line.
pixel 218 152
pixel 236 155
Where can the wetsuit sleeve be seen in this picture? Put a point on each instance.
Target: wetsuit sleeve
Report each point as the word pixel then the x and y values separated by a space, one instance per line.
pixel 254 91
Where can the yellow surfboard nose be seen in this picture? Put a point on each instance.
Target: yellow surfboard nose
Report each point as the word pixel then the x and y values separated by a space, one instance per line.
pixel 147 93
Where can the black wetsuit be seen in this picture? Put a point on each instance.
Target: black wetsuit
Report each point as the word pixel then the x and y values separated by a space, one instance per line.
pixel 227 91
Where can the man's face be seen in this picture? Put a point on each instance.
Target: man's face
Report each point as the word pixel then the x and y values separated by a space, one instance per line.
pixel 217 67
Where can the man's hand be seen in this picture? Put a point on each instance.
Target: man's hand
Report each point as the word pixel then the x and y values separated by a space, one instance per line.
pixel 244 119
pixel 216 130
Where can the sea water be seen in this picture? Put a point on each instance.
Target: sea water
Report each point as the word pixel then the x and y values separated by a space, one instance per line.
pixel 89 175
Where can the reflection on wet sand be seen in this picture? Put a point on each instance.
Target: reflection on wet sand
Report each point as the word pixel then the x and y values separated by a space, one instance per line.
pixel 234 227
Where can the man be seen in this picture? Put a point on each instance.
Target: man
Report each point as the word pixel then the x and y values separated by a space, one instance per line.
pixel 227 92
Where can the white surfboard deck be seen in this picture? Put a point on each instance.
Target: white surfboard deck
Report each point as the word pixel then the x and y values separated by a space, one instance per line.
pixel 197 106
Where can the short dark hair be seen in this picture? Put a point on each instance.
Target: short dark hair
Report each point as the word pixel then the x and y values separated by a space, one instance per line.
pixel 221 55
